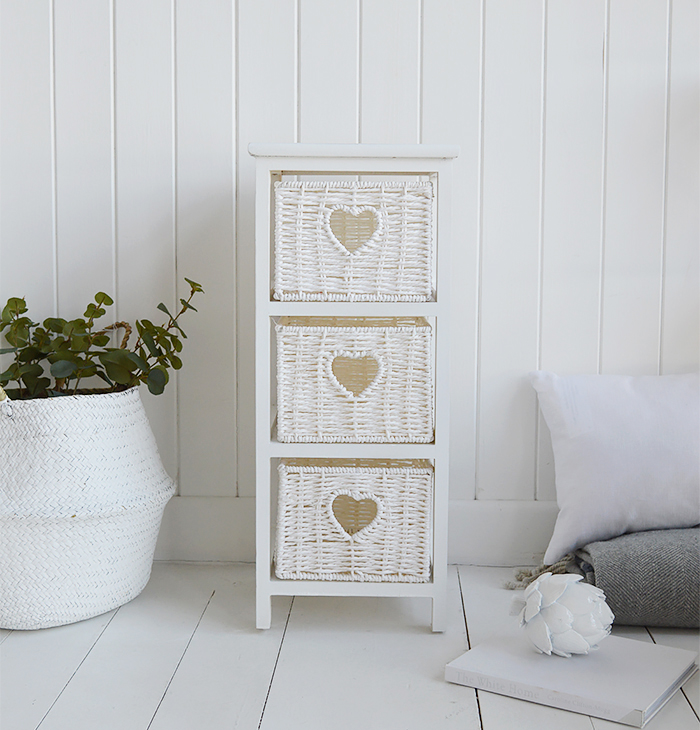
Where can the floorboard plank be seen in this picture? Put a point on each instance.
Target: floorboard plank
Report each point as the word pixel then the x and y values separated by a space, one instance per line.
pixel 370 663
pixel 122 680
pixel 36 666
pixel 487 603
pixel 4 633
pixel 223 679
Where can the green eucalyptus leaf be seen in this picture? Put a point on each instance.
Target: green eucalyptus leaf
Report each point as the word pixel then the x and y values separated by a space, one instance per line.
pixel 87 371
pixel 38 386
pixel 156 381
pixel 12 373
pixel 150 344
pixel 75 326
pixel 117 357
pixel 194 285
pixel 101 374
pixel 102 298
pixel 187 305
pixel 29 353
pixel 6 350
pixel 117 373
pixel 163 308
pixel 63 368
pixel 180 330
pixel 14 307
pixel 100 340
pixel 55 324
pixel 80 343
pixel 138 361
pixel 30 369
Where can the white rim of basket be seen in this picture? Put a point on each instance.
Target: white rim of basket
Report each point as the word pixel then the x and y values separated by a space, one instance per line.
pixel 8 405
pixel 366 532
pixel 354 355
pixel 355 210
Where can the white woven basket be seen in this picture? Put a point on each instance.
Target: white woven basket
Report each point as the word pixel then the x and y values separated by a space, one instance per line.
pixel 354 380
pixel 82 493
pixel 353 241
pixel 354 520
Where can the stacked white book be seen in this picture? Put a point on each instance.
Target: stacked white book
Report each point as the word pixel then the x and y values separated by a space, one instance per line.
pixel 626 681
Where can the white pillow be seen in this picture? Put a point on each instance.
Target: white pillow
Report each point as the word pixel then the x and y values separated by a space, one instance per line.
pixel 625 454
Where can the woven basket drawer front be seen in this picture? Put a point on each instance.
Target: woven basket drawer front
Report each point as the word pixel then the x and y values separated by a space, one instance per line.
pixel 354 520
pixel 353 241
pixel 356 380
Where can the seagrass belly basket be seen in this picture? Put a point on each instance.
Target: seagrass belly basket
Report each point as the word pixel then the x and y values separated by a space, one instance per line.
pixel 82 494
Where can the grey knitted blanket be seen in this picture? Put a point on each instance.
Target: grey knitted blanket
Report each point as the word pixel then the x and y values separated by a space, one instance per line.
pixel 649 578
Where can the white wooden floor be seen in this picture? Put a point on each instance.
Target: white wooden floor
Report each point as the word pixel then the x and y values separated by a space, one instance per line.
pixel 185 656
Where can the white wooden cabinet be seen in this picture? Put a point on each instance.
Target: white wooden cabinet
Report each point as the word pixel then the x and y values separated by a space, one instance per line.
pixel 417 162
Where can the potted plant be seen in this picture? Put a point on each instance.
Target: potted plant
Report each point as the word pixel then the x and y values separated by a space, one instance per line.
pixel 82 487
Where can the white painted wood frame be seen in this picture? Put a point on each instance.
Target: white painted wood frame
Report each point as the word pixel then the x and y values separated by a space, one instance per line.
pixel 273 161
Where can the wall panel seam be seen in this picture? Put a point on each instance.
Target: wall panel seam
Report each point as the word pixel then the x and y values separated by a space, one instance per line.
pixel 421 61
pixel 297 71
pixel 359 70
pixel 664 199
pixel 113 160
pixel 479 250
pixel 54 165
pixel 604 187
pixel 540 289
pixel 174 204
pixel 234 180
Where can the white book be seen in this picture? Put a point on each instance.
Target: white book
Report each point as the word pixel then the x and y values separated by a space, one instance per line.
pixel 624 680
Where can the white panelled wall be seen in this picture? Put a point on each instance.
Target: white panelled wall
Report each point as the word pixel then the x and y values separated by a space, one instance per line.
pixel 124 127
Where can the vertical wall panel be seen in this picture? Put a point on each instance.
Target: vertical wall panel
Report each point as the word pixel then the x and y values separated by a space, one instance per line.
pixel 267 112
pixel 635 187
pixel 681 328
pixel 571 233
pixel 84 154
pixel 328 71
pixel 205 244
pixel 390 72
pixel 144 184
pixel 26 174
pixel 450 113
pixel 510 248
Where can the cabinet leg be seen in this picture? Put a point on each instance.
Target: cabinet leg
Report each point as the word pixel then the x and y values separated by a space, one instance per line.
pixel 263 608
pixel 439 613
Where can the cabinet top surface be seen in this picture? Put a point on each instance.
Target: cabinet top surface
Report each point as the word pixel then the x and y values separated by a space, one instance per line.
pixel 354 150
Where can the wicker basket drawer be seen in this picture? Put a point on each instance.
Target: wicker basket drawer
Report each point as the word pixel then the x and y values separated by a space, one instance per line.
pixel 354 380
pixel 353 241
pixel 354 520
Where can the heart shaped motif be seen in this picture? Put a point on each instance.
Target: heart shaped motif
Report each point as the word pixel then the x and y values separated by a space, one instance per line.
pixel 354 515
pixel 353 227
pixel 354 373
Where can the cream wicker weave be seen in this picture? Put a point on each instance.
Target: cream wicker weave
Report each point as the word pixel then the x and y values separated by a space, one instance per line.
pixel 354 380
pixel 353 241
pixel 82 493
pixel 354 520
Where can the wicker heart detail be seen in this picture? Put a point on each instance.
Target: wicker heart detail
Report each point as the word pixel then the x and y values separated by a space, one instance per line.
pixel 354 515
pixel 353 227
pixel 355 373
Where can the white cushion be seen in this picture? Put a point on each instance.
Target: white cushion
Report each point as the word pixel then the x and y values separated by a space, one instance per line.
pixel 625 454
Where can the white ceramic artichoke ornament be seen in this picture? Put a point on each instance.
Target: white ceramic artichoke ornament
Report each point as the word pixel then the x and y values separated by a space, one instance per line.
pixel 563 616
